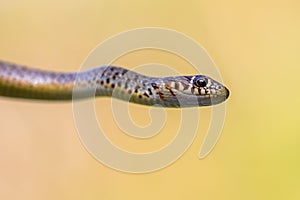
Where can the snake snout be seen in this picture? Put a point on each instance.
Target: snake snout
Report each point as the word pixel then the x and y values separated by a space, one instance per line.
pixel 226 92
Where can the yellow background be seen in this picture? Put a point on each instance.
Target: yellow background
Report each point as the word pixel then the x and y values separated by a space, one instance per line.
pixel 256 46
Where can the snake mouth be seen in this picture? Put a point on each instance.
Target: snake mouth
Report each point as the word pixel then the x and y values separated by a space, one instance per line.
pixel 213 99
pixel 216 99
pixel 190 99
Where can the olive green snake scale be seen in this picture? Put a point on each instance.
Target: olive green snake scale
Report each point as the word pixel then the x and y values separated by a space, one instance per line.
pixel 175 91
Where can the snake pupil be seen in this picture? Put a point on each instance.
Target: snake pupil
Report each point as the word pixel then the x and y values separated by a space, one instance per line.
pixel 200 82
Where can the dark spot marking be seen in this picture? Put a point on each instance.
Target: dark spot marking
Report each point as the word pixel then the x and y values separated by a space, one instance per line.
pixel 124 71
pixel 113 85
pixel 169 88
pixel 154 85
pixel 199 91
pixel 101 82
pixel 136 89
pixel 103 72
pixel 145 94
pixel 172 93
pixel 161 95
pixel 107 81
pixel 150 91
pixel 140 96
pixel 114 77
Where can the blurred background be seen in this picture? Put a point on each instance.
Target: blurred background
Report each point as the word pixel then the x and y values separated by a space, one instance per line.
pixel 255 45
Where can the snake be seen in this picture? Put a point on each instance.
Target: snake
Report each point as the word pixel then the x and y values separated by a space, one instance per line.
pixel 18 81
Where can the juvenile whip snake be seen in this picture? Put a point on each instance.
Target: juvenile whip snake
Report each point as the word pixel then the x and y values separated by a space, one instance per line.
pixel 175 91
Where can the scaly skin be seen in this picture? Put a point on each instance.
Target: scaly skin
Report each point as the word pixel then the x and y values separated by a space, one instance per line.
pixel 176 91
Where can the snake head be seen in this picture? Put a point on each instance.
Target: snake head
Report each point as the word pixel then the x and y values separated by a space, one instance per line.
pixel 198 90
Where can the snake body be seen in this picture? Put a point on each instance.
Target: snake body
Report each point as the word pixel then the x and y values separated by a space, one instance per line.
pixel 175 91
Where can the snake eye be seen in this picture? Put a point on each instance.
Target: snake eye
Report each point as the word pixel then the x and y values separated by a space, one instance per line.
pixel 200 81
